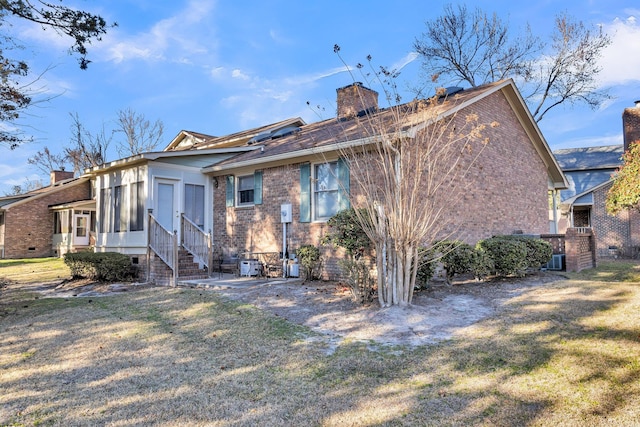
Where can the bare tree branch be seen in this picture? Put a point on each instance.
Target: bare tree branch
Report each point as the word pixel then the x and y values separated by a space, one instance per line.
pixel 476 48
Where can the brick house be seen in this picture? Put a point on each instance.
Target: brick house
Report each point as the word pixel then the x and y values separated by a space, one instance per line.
pixel 589 171
pixel 49 221
pixel 269 190
pixel 511 179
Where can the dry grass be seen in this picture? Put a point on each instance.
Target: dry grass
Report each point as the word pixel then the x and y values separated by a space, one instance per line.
pixel 563 354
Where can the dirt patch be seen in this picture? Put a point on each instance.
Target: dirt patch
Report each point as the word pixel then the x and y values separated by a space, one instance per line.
pixel 327 307
pixel 435 315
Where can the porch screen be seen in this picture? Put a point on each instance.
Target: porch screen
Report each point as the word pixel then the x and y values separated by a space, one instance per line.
pixel 194 203
pixel 136 207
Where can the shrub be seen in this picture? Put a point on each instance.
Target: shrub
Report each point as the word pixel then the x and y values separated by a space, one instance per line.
pixel 358 279
pixel 309 259
pixel 509 255
pixel 483 265
pixel 426 268
pixel 103 266
pixel 539 252
pixel 457 257
pixel 346 232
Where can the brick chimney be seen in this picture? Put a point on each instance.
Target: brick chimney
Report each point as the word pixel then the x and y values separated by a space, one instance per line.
pixel 57 176
pixel 356 99
pixel 631 125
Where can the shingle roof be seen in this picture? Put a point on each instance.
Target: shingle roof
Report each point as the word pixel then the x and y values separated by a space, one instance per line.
pixel 604 157
pixel 331 131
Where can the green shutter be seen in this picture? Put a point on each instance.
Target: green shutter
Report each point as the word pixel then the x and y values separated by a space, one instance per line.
pixel 343 180
pixel 230 191
pixel 257 187
pixel 305 192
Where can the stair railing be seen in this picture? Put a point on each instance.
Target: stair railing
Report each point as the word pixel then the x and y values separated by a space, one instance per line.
pixel 197 242
pixel 164 244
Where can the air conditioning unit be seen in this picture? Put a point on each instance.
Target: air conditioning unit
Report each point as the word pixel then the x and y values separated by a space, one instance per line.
pixel 250 268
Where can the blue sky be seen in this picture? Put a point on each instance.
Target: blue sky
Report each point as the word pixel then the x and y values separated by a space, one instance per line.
pixel 219 67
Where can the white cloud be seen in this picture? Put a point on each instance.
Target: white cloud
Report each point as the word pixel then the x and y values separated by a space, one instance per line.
pixel 177 38
pixel 621 60
pixel 238 74
pixel 403 62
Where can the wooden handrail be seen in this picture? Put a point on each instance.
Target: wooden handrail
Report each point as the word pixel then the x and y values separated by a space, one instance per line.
pixel 196 241
pixel 164 244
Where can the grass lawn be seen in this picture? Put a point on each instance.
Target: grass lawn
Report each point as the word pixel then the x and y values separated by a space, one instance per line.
pixel 567 353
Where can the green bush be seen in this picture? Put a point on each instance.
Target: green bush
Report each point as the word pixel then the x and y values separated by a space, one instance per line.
pixel 309 259
pixel 426 268
pixel 509 255
pixel 103 266
pixel 539 252
pixel 456 257
pixel 483 265
pixel 346 232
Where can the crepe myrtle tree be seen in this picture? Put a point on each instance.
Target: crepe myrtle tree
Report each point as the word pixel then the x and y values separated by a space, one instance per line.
pixel 403 185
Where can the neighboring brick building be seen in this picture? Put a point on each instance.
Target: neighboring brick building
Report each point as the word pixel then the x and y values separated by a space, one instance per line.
pixel 29 221
pixel 589 171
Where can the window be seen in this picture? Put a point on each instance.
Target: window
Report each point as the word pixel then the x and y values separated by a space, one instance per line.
pixel 245 190
pixel 136 207
pixel 61 222
pixel 105 210
pixel 119 219
pixel 57 222
pixel 194 203
pixel 324 190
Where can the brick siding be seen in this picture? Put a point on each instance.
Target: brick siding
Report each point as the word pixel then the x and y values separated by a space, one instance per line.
pixel 507 193
pixel 621 232
pixel 29 225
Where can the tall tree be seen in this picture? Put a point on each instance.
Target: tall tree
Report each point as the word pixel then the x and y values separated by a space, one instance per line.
pixel 87 149
pixel 46 161
pixel 477 48
pixel 140 134
pixel 15 96
pixel 624 194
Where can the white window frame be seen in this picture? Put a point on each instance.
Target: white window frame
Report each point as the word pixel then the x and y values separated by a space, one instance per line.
pixel 316 190
pixel 238 197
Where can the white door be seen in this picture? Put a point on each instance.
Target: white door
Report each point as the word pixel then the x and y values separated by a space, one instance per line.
pixel 166 204
pixel 81 229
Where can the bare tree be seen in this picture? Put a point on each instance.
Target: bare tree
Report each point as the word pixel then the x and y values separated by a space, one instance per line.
pixel 46 161
pixel 15 96
pixel 87 150
pixel 476 48
pixel 403 185
pixel 28 186
pixel 141 135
